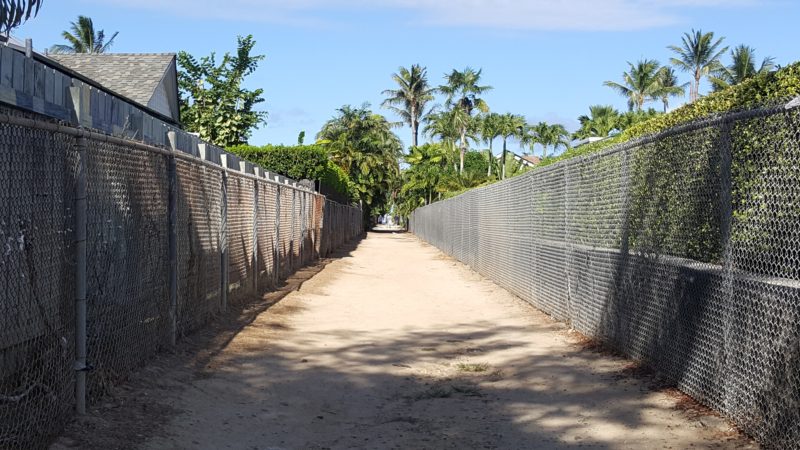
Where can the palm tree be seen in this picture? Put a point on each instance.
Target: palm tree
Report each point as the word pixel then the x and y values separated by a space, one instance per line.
pixel 511 125
pixel 742 67
pixel 14 12
pixel 490 130
pixel 640 83
pixel 462 91
pixel 363 145
pixel 447 127
pixel 411 97
pixel 83 39
pixel 601 121
pixel 699 55
pixel 669 86
pixel 547 135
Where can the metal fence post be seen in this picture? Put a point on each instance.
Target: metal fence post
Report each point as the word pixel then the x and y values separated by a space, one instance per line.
pixel 172 211
pixel 80 278
pixel 254 257
pixel 292 243
pixel 223 237
pixel 277 247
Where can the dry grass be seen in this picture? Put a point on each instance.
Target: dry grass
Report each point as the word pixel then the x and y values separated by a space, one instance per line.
pixel 473 367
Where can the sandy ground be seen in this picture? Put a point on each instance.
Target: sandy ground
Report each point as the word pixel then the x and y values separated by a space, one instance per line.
pixel 395 345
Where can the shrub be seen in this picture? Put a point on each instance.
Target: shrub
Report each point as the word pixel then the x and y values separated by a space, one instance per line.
pixel 770 88
pixel 299 162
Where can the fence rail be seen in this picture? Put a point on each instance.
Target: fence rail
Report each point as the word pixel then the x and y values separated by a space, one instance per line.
pixel 682 250
pixel 111 250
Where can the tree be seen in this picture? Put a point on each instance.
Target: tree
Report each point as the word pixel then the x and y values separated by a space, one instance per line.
pixel 411 97
pixel 462 91
pixel 82 38
pixel 632 118
pixel 363 145
pixel 213 101
pixel 548 135
pixel 14 13
pixel 742 67
pixel 449 126
pixel 511 125
pixel 669 86
pixel 489 131
pixel 699 54
pixel 601 121
pixel 640 83
pixel 426 168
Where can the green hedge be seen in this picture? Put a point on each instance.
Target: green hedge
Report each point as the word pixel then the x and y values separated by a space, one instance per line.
pixel 299 162
pixel 775 86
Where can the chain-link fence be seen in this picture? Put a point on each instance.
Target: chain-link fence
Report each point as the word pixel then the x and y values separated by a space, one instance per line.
pixel 170 240
pixel 682 250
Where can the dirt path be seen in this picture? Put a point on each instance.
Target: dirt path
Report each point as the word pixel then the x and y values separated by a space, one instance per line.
pixel 397 346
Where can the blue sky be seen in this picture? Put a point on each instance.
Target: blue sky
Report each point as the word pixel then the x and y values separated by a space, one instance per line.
pixel 545 59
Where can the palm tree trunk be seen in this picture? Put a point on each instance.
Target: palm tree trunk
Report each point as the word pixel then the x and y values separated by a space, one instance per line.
pixel 503 177
pixel 414 127
pixel 491 155
pixel 463 149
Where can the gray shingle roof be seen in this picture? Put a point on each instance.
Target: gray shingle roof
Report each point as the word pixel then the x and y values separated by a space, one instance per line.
pixel 133 75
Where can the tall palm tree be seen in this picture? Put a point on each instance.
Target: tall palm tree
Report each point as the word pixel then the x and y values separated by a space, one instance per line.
pixel 490 130
pixel 410 98
pixel 742 67
pixel 14 12
pixel 511 125
pixel 601 121
pixel 699 55
pixel 462 91
pixel 640 83
pixel 82 38
pixel 548 135
pixel 669 86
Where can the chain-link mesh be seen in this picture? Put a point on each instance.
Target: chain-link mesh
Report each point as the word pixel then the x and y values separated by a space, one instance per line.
pixel 37 169
pixel 129 317
pixel 127 264
pixel 681 250
pixel 267 233
pixel 199 228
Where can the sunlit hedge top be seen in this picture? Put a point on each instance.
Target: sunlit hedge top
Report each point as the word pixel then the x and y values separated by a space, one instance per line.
pixel 299 162
pixel 775 86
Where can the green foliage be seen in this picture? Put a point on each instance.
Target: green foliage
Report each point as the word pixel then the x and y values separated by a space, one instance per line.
pixel 769 88
pixel 15 12
pixel 410 98
pixel 297 162
pixel 308 162
pixel 742 67
pixel 82 38
pixel 699 54
pixel 363 145
pixel 213 101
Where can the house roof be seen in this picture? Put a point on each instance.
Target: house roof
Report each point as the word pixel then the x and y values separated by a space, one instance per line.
pixel 531 159
pixel 133 75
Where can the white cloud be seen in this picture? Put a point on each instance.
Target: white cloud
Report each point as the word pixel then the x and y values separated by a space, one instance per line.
pixel 589 15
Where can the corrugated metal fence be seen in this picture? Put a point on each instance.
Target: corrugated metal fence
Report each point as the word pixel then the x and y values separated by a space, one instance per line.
pixel 681 250
pixel 171 240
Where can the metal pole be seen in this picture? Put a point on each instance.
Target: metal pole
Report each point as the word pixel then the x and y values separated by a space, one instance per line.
pixel 292 243
pixel 254 257
pixel 80 279
pixel 223 245
pixel 172 211
pixel 277 250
